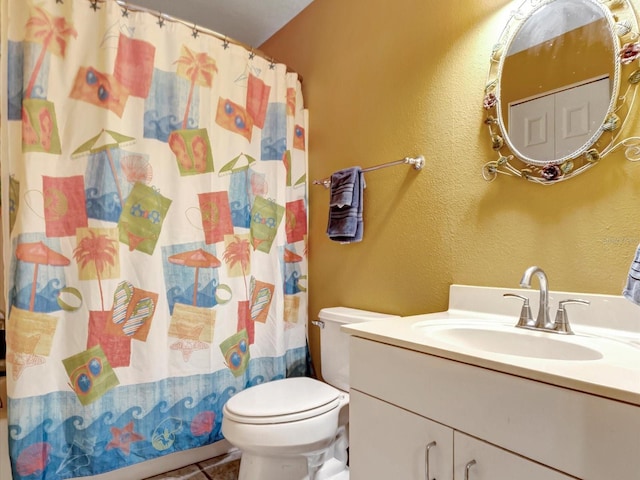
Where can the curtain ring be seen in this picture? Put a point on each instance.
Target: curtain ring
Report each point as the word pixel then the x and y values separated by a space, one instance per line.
pixel 160 21
pixel 194 31
pixel 225 43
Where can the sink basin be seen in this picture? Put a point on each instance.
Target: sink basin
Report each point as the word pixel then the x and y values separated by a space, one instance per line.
pixel 508 340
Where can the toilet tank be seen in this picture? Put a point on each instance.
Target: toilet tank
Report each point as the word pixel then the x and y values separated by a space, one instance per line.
pixel 334 345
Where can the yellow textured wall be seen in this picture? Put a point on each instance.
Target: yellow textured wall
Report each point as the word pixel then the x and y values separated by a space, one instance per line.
pixel 384 80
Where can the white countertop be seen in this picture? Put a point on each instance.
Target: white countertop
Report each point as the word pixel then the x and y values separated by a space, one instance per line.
pixel 609 321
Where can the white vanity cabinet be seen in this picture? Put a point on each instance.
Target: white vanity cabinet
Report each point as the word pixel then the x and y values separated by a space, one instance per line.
pixel 513 427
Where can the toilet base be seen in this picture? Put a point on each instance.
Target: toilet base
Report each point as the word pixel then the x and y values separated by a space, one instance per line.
pixel 328 463
pixel 254 467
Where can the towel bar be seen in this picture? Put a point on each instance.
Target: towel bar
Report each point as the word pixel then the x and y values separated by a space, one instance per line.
pixel 417 162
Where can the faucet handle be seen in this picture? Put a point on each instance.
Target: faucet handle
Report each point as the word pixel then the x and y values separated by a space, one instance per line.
pixel 561 324
pixel 526 318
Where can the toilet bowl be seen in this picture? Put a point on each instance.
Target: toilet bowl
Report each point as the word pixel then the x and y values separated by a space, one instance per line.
pixel 284 425
pixel 297 428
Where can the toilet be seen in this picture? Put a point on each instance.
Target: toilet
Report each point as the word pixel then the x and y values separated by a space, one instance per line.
pixel 297 428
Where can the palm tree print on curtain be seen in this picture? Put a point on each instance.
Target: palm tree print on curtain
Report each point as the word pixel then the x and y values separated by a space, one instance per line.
pixel 39 124
pixel 95 253
pixel 238 254
pixel 191 147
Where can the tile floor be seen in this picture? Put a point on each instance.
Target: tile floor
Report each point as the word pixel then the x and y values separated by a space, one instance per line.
pixel 224 467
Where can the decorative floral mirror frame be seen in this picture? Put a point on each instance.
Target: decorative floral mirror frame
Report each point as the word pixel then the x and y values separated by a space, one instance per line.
pixel 624 32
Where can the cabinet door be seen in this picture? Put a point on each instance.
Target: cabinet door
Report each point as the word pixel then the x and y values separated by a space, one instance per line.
pixel 387 442
pixel 493 463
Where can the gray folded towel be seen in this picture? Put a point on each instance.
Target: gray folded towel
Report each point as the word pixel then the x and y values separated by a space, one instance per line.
pixel 632 289
pixel 342 186
pixel 345 208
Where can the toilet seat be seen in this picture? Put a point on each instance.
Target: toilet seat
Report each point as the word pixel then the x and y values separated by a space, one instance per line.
pixel 281 401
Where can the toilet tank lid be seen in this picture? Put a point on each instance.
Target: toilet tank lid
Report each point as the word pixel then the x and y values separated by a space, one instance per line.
pixel 351 315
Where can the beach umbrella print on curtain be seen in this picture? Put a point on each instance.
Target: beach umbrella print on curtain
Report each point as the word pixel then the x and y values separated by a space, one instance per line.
pixel 39 254
pixel 106 142
pixel 197 259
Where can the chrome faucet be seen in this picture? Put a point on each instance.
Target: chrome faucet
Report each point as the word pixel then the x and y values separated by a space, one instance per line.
pixel 543 320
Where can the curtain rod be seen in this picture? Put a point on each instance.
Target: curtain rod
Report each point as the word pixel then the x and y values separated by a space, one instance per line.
pixel 417 162
pixel 195 28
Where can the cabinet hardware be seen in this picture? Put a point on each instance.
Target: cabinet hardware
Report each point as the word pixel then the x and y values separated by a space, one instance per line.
pixel 467 467
pixel 426 460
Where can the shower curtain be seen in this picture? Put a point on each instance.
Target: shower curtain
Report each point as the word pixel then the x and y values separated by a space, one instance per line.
pixel 155 221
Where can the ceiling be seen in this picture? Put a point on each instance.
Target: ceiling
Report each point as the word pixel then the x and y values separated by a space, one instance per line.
pixel 248 21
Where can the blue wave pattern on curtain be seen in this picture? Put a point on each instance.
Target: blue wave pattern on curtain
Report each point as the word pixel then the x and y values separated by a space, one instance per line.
pixel 157 210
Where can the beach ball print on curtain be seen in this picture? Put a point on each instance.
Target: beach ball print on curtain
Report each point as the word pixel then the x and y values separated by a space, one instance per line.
pixel 156 192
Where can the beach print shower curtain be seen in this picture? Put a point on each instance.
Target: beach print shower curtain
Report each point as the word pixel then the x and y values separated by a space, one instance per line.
pixel 155 222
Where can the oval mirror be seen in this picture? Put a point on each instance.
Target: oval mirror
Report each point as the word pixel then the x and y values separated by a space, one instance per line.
pixel 553 96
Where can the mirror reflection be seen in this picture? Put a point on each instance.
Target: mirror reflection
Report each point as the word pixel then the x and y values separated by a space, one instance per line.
pixel 556 81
